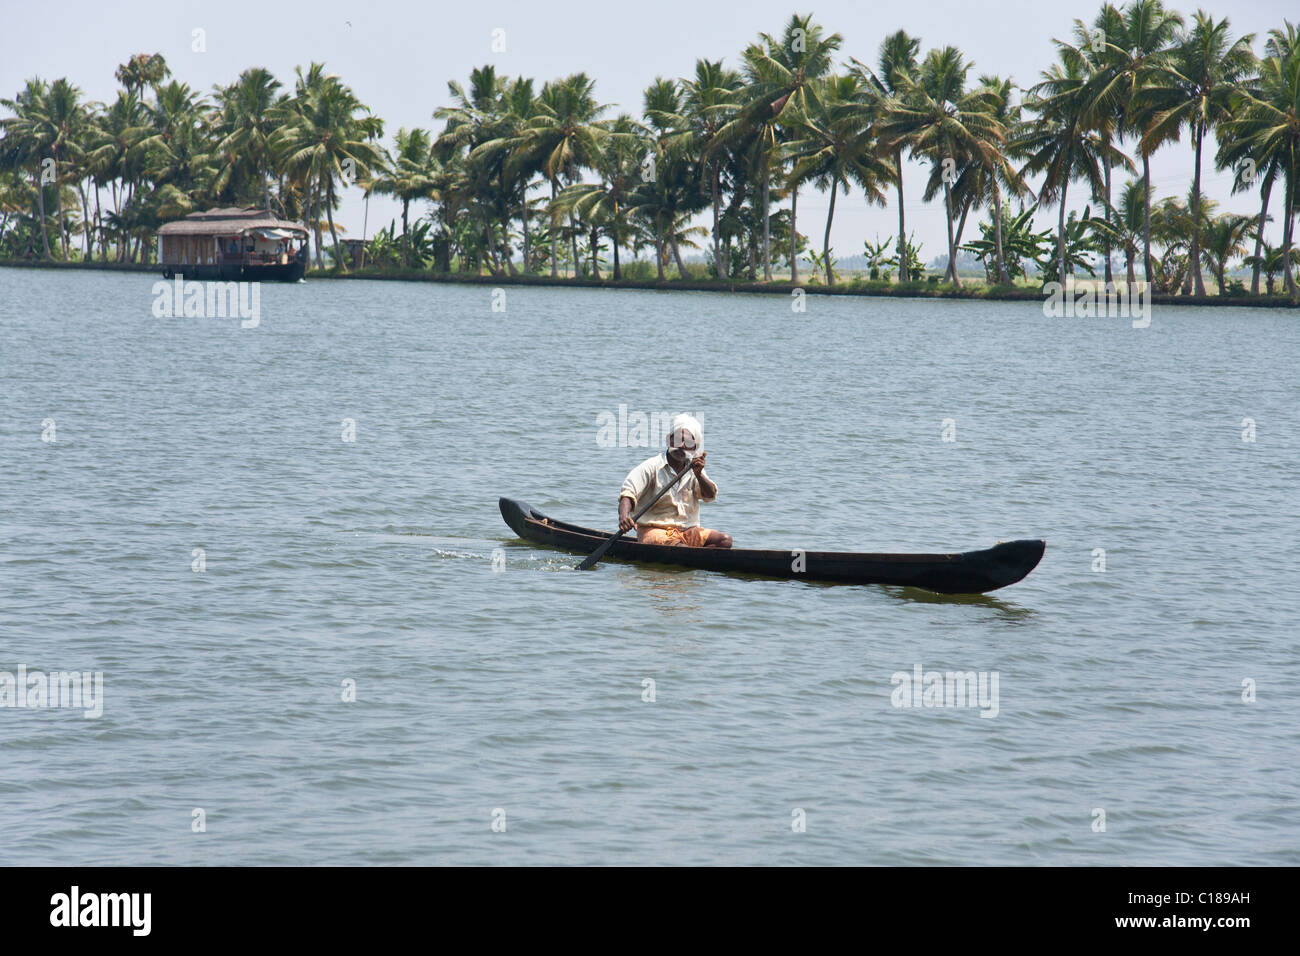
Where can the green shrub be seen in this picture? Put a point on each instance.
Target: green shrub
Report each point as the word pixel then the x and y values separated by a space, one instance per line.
pixel 638 269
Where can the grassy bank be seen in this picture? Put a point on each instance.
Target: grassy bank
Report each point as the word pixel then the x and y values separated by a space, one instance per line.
pixel 973 290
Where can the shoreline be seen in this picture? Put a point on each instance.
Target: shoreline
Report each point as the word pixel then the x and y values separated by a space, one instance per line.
pixel 849 288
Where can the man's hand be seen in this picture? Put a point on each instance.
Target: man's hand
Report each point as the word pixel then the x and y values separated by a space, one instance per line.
pixel 708 490
pixel 625 522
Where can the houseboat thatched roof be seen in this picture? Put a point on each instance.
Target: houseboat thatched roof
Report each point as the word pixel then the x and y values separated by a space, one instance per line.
pixel 228 222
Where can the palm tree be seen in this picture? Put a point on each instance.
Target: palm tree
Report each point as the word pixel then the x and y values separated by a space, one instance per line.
pixel 1266 127
pixel 781 73
pixel 1098 49
pixel 411 173
pixel 1225 240
pixel 26 143
pixel 1193 89
pixel 1176 224
pixel 50 123
pixel 326 135
pixel 1273 259
pixel 982 178
pixel 607 203
pixel 709 102
pixel 897 59
pixel 839 145
pixel 141 70
pixel 938 119
pixel 1139 53
pixel 521 165
pixel 563 138
pixel 476 133
pixel 180 162
pixel 1060 144
pixel 499 160
pixel 116 158
pixel 1128 224
pixel 244 125
pixel 669 193
pixel 1237 152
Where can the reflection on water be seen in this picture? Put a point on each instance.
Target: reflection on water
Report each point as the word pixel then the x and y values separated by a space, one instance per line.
pixel 674 594
pixel 1007 611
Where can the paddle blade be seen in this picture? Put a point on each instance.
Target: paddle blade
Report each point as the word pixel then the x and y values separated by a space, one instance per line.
pixel 590 560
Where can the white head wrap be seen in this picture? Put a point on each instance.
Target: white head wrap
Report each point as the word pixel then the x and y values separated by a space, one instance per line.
pixel 689 424
pixel 678 494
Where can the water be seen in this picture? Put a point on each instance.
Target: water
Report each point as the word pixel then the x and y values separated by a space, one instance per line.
pixel 521 689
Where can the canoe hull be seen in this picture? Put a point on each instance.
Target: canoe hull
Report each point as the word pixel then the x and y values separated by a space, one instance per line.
pixel 969 572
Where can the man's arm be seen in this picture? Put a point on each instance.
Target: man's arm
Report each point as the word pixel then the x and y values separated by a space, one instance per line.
pixel 634 486
pixel 708 490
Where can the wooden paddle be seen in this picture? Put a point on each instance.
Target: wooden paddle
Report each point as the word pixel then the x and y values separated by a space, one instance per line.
pixel 590 560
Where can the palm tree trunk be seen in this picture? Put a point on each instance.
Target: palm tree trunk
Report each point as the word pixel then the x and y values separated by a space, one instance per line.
pixel 1146 216
pixel 903 275
pixel 1060 236
pixel 1259 237
pixel 99 228
pixel 659 257
pixel 523 215
pixel 826 240
pixel 63 223
pixel 1109 278
pixel 406 235
pixel 952 248
pixel 85 215
pixel 1194 263
pixel 613 237
pixel 1004 277
pixel 329 213
pixel 1132 278
pixel 961 223
pixel 573 240
pixel 767 227
pixel 40 203
pixel 315 219
pixel 493 262
pixel 1288 232
pixel 794 234
pixel 555 255
pixel 717 221
pixel 595 250
pixel 506 258
pixel 120 235
pixel 677 257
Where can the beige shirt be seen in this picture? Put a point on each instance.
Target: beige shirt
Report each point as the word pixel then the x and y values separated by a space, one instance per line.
pixel 680 508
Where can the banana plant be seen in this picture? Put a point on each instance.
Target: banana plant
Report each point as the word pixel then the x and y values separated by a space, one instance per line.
pixel 878 255
pixel 1019 244
pixel 822 264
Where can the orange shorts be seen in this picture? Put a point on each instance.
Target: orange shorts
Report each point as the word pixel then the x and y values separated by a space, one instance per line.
pixel 676 537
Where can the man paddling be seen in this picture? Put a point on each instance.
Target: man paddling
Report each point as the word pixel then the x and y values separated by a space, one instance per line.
pixel 675 518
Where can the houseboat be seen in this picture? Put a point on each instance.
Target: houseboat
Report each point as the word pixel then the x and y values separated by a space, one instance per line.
pixel 233 245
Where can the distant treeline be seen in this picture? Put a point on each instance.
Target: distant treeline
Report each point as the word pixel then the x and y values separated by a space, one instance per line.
pixel 733 147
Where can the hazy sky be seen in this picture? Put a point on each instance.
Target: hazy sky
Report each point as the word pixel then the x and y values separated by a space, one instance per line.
pixel 399 56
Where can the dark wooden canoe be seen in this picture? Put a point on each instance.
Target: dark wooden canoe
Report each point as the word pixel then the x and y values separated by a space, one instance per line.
pixel 969 572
